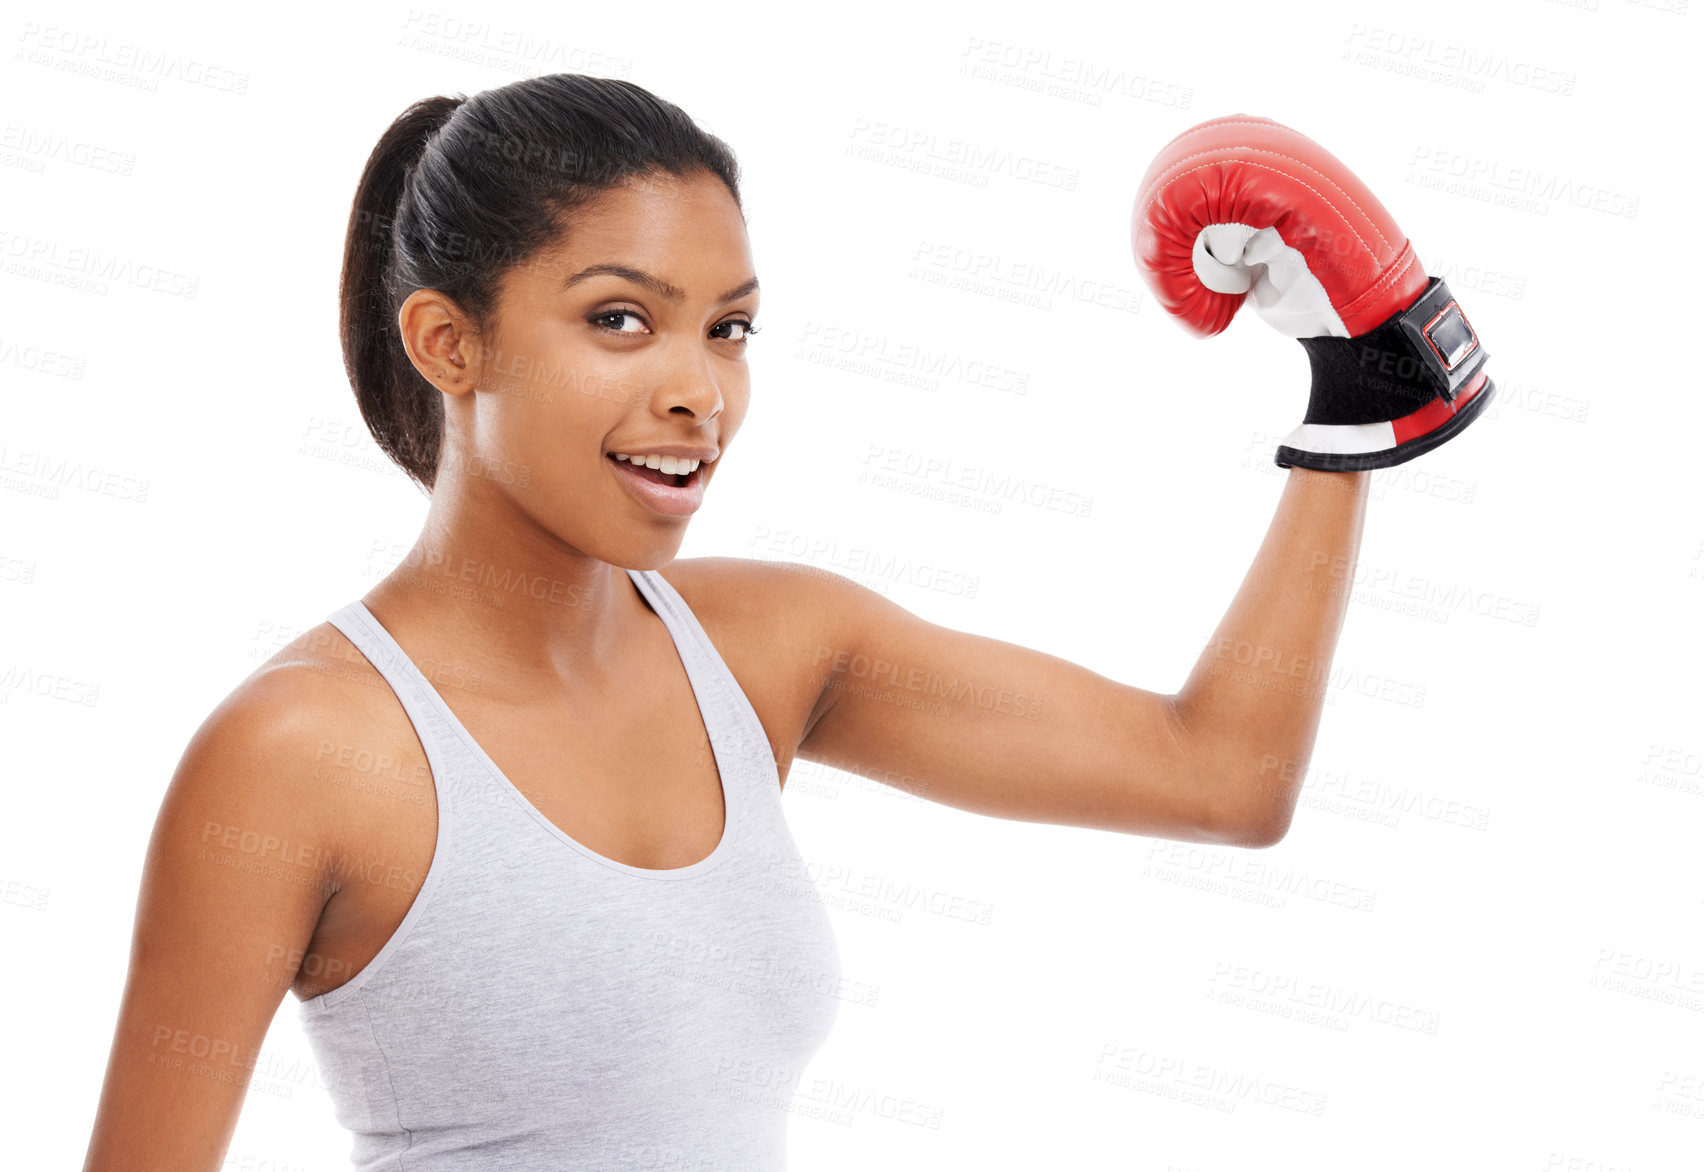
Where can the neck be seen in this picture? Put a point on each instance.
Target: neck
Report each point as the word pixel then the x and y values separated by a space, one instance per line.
pixel 503 601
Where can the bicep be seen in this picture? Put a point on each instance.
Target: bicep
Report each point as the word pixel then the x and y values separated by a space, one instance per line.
pixel 232 887
pixel 999 729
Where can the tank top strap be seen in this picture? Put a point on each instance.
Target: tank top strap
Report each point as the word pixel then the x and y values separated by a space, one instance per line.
pixel 425 709
pixel 735 730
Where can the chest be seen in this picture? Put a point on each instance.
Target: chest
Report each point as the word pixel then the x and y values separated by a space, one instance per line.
pixel 636 781
pixel 632 776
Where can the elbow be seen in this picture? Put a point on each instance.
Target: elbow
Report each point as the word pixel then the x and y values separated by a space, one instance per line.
pixel 1250 833
pixel 1269 802
pixel 1266 815
pixel 1260 833
pixel 1240 802
pixel 1244 817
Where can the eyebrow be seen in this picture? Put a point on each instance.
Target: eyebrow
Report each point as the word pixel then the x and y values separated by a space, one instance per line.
pixel 655 284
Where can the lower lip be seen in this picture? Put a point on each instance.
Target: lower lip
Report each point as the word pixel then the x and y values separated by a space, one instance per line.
pixel 662 498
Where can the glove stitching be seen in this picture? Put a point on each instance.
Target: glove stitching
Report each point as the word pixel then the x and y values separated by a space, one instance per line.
pixel 1300 163
pixel 1177 178
pixel 1215 123
pixel 1391 275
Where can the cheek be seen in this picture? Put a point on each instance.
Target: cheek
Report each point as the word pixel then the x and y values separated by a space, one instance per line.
pixel 738 405
pixel 545 363
pixel 530 431
pixel 551 392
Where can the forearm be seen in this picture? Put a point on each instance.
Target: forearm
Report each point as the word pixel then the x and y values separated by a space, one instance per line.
pixel 1251 706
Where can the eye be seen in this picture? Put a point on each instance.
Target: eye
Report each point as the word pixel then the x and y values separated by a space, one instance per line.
pixel 745 327
pixel 598 320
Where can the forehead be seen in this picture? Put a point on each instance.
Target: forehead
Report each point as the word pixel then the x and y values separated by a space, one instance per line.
pixel 689 230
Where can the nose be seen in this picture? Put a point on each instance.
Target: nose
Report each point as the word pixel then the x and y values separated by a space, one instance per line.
pixel 691 385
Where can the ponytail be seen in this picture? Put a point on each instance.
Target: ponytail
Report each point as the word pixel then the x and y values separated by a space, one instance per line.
pixel 402 410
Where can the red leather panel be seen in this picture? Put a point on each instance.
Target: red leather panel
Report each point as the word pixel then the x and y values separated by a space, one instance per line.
pixel 1249 170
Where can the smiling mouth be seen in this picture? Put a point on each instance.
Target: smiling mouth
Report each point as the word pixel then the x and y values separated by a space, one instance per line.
pixel 675 480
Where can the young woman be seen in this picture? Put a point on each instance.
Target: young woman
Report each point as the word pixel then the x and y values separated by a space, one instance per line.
pixel 509 825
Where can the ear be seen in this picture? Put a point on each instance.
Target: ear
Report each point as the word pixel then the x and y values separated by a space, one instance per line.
pixel 440 340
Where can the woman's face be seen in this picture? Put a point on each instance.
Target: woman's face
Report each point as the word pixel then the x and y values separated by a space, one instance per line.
pixel 626 337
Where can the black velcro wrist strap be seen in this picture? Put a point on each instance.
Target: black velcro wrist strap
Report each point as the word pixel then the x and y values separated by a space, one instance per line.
pixel 1426 351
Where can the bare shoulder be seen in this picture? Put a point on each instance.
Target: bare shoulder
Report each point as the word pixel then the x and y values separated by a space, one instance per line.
pixel 772 614
pixel 733 590
pixel 287 705
pixel 321 681
pixel 284 736
pixel 778 626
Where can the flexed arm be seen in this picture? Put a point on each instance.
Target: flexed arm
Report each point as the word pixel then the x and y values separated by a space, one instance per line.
pixel 1012 732
pixel 1233 208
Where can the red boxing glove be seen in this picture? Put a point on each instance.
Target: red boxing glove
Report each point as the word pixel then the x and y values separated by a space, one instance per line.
pixel 1243 205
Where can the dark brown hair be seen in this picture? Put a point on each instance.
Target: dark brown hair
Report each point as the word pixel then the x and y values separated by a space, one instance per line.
pixel 460 190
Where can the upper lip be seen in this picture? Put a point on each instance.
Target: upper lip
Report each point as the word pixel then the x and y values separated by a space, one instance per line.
pixel 680 451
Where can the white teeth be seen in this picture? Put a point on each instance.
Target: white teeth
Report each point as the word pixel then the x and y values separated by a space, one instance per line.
pixel 669 465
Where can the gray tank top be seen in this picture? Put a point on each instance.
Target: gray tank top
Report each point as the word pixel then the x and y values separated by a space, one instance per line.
pixel 544 1007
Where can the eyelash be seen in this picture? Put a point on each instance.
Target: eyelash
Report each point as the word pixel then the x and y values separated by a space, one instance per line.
pixel 596 320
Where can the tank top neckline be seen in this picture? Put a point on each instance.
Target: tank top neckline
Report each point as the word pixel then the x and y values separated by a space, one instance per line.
pixel 697 671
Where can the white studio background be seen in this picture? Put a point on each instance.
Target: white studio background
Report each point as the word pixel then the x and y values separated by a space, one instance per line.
pixel 1478 946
